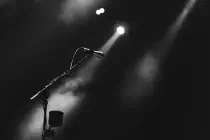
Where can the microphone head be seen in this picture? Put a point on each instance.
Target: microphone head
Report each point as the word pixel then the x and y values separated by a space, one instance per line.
pixel 86 49
pixel 98 54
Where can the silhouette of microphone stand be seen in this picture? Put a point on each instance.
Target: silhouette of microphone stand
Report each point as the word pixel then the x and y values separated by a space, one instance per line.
pixel 55 116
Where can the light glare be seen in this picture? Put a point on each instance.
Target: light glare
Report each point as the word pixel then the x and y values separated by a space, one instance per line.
pixel 120 30
pixel 102 10
pixel 98 12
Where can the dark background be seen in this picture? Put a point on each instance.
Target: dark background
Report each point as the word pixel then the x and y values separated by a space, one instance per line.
pixel 35 47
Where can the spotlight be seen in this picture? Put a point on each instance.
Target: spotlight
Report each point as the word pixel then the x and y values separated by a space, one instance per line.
pixel 98 12
pixel 102 10
pixel 120 30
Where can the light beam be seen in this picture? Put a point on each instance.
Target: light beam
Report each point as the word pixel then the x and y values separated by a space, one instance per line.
pixel 141 79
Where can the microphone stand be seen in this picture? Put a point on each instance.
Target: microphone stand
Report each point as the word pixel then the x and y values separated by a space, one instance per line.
pixel 46 95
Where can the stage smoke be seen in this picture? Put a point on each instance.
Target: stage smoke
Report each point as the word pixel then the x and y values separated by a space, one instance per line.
pixel 65 98
pixel 140 82
pixel 72 10
pixel 3 2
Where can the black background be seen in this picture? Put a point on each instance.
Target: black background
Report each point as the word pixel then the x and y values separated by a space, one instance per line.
pixel 36 47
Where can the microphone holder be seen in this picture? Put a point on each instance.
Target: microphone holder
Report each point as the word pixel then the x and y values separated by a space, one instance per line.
pixel 45 132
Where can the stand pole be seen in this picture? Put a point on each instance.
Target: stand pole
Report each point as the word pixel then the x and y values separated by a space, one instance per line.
pixel 45 102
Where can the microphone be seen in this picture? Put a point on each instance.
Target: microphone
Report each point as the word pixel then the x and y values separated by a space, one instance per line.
pixel 98 54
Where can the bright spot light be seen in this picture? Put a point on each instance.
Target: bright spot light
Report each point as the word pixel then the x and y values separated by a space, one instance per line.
pixel 120 30
pixel 98 12
pixel 102 10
